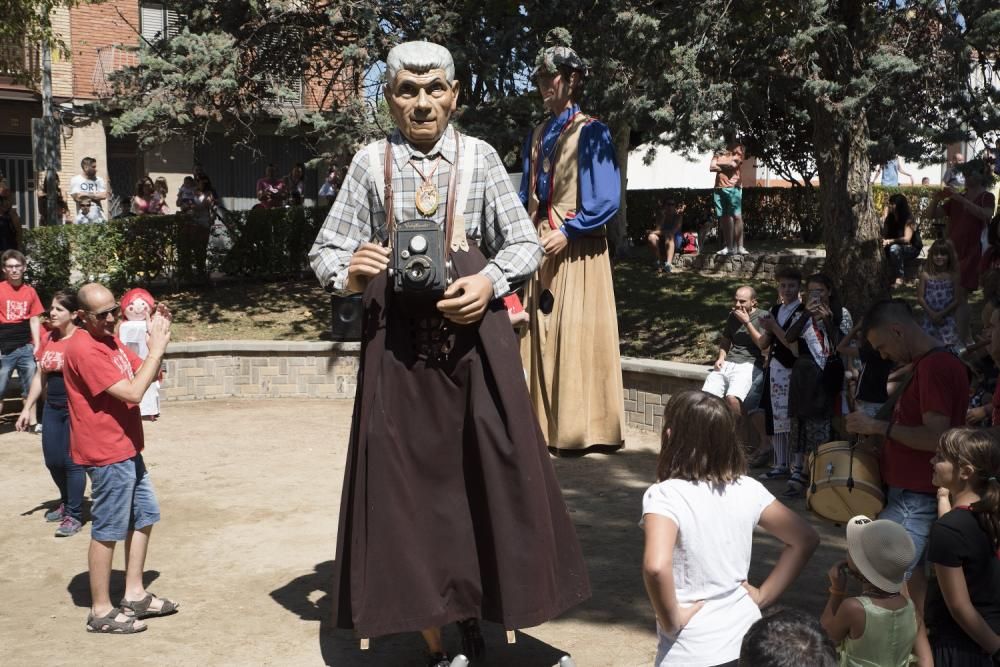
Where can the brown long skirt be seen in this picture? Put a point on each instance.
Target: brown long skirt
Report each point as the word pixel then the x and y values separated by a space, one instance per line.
pixel 570 350
pixel 450 506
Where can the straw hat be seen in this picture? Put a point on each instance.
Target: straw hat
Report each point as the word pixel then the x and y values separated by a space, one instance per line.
pixel 881 551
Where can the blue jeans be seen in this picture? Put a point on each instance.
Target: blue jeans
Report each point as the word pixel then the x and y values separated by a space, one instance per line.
pixel 23 359
pixel 916 512
pixel 68 476
pixel 123 499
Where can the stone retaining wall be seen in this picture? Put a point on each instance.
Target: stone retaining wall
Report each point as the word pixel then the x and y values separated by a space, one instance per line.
pixel 760 266
pixel 649 383
pixel 260 369
pixel 277 369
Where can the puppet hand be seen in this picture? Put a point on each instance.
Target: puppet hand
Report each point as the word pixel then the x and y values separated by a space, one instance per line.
pixel 554 242
pixel 368 261
pixel 466 299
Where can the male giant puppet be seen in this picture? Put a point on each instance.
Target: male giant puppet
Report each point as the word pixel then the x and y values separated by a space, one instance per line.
pixel 450 509
pixel 572 189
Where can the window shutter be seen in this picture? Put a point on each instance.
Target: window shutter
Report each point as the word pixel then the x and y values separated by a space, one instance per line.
pixel 158 22
pixel 151 21
pixel 173 23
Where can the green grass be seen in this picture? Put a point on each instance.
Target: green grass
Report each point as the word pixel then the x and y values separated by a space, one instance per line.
pixel 676 316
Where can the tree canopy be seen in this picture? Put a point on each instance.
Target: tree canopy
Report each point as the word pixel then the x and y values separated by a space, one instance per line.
pixel 835 84
pixel 815 87
pixel 27 24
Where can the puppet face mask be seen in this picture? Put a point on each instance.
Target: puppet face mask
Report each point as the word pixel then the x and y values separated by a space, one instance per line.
pixel 137 310
pixel 422 104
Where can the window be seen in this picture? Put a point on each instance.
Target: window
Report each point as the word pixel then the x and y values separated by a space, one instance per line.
pixel 158 22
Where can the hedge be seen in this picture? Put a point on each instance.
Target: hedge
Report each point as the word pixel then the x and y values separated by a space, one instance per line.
pixel 273 244
pixel 265 244
pixel 790 214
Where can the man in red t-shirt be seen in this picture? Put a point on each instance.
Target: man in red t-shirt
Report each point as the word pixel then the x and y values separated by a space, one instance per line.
pixel 933 400
pixel 19 324
pixel 105 382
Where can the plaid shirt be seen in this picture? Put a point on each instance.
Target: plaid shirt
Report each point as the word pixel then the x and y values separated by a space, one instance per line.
pixel 495 219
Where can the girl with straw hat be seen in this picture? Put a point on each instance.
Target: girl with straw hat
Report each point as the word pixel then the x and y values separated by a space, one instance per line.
pixel 880 627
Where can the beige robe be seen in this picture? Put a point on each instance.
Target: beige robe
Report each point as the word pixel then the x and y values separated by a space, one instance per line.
pixel 570 355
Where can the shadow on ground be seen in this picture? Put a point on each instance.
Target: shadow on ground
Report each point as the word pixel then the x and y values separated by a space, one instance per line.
pixel 604 496
pixel 79 585
pixel 308 596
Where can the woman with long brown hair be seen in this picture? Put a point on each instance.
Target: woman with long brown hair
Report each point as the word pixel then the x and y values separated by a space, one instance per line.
pixel 962 611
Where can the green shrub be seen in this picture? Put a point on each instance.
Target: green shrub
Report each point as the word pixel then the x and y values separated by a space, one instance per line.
pixel 768 213
pixel 266 244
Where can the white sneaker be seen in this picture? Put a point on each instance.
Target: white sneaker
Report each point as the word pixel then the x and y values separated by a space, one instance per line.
pixel 742 251
pixel 723 252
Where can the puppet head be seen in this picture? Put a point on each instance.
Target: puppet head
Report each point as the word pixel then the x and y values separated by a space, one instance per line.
pixel 421 91
pixel 137 304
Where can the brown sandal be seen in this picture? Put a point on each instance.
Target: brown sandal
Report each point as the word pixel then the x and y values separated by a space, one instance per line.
pixel 108 625
pixel 140 608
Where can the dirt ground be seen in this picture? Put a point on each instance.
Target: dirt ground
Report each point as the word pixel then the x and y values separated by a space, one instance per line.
pixel 249 493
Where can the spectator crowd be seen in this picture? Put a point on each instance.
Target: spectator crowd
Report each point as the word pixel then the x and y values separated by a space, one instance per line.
pixel 918 583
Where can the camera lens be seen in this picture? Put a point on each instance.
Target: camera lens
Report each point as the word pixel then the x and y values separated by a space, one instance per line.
pixel 418 273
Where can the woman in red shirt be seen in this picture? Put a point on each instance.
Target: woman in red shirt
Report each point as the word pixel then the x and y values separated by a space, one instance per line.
pixel 968 214
pixel 68 476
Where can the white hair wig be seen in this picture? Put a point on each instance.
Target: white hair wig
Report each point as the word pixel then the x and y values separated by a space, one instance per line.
pixel 418 57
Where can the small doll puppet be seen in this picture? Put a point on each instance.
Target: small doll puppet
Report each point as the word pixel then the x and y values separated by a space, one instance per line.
pixel 138 307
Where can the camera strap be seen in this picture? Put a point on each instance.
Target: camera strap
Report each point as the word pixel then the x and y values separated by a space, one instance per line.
pixel 453 195
pixel 390 219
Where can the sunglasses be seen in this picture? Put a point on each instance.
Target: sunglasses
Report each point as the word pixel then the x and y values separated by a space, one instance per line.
pixel 113 311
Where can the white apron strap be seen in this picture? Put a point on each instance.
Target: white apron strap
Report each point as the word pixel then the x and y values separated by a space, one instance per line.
pixel 467 167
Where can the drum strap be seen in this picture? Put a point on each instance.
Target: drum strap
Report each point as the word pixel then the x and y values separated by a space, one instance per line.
pixel 884 413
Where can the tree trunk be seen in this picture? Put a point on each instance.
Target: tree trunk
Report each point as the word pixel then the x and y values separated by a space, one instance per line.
pixel 618 232
pixel 851 229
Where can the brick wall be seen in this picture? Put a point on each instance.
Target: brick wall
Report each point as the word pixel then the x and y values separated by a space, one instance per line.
pixel 62 65
pixel 260 369
pixel 94 26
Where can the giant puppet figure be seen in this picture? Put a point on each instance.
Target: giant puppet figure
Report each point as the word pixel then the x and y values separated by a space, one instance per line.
pixel 450 509
pixel 572 189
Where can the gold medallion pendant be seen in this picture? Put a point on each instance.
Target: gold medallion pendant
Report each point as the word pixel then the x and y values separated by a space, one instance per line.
pixel 546 165
pixel 427 199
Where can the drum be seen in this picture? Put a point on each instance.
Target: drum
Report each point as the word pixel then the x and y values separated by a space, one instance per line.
pixel 845 482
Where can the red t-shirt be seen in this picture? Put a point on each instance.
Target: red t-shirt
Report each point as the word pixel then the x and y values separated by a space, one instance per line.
pixel 18 304
pixel 995 415
pixel 940 384
pixel 50 353
pixel 103 430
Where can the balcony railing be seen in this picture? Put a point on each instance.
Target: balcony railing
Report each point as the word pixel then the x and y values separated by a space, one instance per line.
pixel 111 59
pixel 20 62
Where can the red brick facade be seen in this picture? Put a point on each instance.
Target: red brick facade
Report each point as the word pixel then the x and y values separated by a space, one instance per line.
pixel 94 26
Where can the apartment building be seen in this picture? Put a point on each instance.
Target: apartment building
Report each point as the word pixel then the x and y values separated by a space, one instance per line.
pixel 102 38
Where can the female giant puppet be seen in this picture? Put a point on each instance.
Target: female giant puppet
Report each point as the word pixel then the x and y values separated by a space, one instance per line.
pixel 572 189
pixel 450 509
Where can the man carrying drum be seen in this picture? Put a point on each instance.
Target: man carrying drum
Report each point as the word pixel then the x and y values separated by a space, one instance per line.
pixel 933 399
